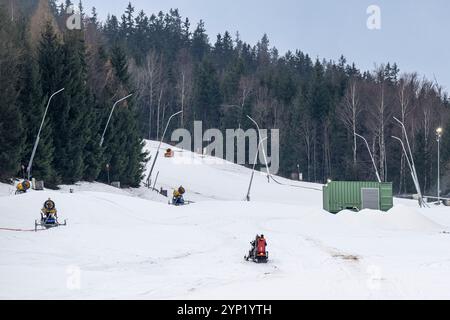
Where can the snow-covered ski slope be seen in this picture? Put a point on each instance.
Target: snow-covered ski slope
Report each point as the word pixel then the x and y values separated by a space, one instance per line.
pixel 130 244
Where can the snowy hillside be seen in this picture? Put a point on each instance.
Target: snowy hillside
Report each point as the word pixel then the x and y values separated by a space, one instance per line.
pixel 130 244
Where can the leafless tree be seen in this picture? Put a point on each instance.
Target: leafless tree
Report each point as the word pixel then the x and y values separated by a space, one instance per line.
pixel 380 114
pixel 349 112
pixel 149 78
pixel 160 101
pixel 246 87
pixel 184 83
pixel 306 131
pixel 406 93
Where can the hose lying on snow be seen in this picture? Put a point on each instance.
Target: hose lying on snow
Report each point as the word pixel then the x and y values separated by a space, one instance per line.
pixel 292 185
pixel 17 230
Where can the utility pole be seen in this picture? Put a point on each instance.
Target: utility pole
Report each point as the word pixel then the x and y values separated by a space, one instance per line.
pixel 110 115
pixel 36 143
pixel 264 152
pixel 439 135
pixel 253 171
pixel 107 170
pixel 413 165
pixel 12 10
pixel 159 146
pixel 416 182
pixel 371 156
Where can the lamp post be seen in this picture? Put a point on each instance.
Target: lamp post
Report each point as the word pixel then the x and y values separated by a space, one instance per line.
pixel 264 152
pixel 110 115
pixel 159 146
pixel 439 132
pixel 253 171
pixel 416 182
pixel 107 170
pixel 12 11
pixel 371 156
pixel 36 143
pixel 413 165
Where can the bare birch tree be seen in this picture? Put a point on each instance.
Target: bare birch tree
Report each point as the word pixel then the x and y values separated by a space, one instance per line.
pixel 406 91
pixel 184 82
pixel 349 112
pixel 152 78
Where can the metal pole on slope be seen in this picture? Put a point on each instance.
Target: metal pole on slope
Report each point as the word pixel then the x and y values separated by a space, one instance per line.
pixel 264 152
pixel 371 156
pixel 156 180
pixel 421 202
pixel 439 135
pixel 12 10
pixel 253 171
pixel 110 115
pixel 36 143
pixel 107 170
pixel 411 156
pixel 159 146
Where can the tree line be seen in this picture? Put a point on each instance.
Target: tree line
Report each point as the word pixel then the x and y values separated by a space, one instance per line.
pixel 69 148
pixel 320 106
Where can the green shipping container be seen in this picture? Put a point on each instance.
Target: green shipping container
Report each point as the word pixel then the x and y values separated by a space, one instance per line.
pixel 357 195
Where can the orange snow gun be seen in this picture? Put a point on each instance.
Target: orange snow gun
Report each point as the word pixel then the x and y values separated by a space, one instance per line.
pixel 169 153
pixel 23 186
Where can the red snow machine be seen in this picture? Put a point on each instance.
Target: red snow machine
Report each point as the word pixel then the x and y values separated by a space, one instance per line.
pixel 258 253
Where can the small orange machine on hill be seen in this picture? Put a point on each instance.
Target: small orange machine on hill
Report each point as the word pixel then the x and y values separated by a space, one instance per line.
pixel 169 153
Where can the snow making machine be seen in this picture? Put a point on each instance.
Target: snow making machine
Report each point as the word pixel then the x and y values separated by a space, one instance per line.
pixel 258 253
pixel 49 217
pixel 48 223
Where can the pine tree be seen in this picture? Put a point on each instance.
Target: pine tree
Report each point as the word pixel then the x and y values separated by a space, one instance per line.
pixel 207 96
pixel 93 157
pixel 43 162
pixel 123 144
pixel 69 160
pixel 127 25
pixel 94 17
pixel 120 64
pixel 31 104
pixel 200 42
pixel 50 60
pixel 11 126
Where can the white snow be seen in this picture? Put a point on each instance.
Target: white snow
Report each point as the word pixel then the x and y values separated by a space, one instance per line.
pixel 130 244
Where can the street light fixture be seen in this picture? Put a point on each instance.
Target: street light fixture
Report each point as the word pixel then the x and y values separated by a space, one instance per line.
pixel 371 156
pixel 439 132
pixel 413 165
pixel 253 171
pixel 159 146
pixel 415 180
pixel 107 170
pixel 110 115
pixel 36 143
pixel 264 152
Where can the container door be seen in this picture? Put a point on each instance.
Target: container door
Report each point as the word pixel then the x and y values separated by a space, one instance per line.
pixel 370 198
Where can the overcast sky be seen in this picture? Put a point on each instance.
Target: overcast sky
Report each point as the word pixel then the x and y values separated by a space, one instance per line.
pixel 415 34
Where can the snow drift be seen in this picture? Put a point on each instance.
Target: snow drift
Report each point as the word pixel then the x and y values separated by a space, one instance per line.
pixel 130 244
